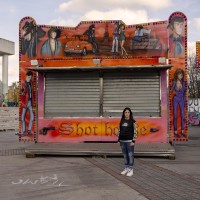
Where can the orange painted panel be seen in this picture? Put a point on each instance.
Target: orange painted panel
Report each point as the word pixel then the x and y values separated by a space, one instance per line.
pixel 198 54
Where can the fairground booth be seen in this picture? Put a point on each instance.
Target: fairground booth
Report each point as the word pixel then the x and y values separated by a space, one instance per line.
pixel 76 81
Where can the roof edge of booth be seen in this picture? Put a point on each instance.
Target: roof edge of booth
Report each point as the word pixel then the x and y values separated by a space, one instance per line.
pixel 58 68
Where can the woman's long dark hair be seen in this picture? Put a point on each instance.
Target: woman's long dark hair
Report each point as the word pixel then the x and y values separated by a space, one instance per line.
pixel 56 30
pixel 123 114
pixel 177 72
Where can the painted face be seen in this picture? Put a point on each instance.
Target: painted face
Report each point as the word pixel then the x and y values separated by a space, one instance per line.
pixel 53 35
pixel 180 76
pixel 127 114
pixel 28 36
pixel 28 78
pixel 178 27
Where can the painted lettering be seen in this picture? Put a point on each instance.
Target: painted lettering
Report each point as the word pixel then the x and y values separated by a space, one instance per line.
pixel 109 130
pixel 88 130
pixel 95 127
pixel 66 129
pixel 79 130
pixel 143 130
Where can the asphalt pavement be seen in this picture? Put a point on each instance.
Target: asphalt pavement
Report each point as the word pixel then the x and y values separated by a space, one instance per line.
pixel 96 178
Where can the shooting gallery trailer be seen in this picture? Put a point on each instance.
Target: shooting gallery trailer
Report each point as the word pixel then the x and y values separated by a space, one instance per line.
pixel 76 81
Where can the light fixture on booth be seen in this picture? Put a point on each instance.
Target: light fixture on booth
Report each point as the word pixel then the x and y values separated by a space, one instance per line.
pixel 34 62
pixel 97 61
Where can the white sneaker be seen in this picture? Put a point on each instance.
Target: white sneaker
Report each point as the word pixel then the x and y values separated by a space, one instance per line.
pixel 126 170
pixel 130 172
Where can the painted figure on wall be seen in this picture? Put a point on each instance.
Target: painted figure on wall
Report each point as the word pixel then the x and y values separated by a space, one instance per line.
pixel 115 42
pixel 29 38
pixel 122 39
pixel 176 39
pixel 141 33
pixel 26 100
pixel 178 87
pixel 91 38
pixel 52 46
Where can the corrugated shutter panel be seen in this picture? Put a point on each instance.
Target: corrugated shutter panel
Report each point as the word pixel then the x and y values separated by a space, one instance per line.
pixel 73 94
pixel 138 90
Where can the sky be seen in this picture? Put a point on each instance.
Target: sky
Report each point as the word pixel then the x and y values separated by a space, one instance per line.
pixel 71 12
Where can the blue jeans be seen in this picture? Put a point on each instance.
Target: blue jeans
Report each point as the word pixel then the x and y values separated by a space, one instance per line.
pixel 128 153
pixel 115 42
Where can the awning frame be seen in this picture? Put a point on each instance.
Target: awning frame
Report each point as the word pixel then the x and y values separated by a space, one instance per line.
pixel 89 68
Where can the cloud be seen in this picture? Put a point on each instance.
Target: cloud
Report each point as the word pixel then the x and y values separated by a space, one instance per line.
pixel 126 15
pixel 61 22
pixel 82 6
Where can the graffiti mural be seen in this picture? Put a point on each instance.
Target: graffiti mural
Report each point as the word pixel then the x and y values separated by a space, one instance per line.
pixel 91 39
pixel 194 112
pixel 198 54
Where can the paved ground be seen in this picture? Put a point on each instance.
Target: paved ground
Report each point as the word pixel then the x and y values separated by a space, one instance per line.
pixel 89 178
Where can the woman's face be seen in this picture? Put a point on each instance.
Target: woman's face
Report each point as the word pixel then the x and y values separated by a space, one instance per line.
pixel 53 35
pixel 180 76
pixel 127 114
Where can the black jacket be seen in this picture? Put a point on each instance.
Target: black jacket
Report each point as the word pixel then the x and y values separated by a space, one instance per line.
pixel 126 130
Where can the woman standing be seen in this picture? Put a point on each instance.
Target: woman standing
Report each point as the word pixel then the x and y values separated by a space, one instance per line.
pixel 122 39
pixel 127 137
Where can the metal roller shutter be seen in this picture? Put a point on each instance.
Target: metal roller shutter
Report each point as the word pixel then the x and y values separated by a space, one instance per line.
pixel 139 90
pixel 72 94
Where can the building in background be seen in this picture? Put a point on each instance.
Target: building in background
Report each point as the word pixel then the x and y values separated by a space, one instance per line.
pixel 7 48
pixel 13 94
pixel 12 97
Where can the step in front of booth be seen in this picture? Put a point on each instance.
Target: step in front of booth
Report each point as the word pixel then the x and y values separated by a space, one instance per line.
pixel 99 149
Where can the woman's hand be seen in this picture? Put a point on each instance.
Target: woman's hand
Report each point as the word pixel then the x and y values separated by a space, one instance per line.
pixel 132 143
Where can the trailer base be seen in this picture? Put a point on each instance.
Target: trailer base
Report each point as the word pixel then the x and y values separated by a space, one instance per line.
pixel 99 149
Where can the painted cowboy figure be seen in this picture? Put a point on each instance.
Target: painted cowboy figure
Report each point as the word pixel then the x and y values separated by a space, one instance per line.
pixel 30 37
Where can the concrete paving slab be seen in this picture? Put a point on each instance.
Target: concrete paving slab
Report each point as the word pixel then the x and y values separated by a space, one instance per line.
pixel 50 178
